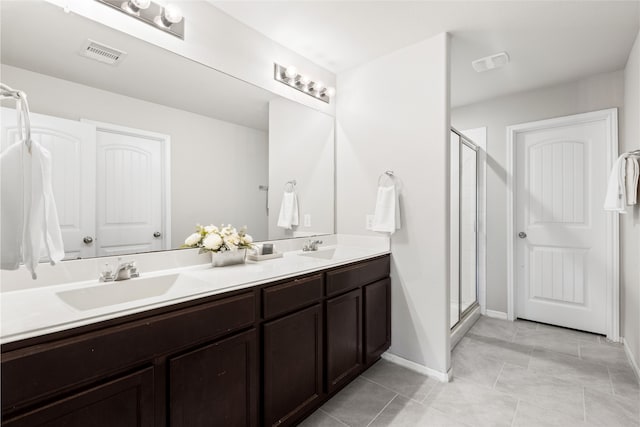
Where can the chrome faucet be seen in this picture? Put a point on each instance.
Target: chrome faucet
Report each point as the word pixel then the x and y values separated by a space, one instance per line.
pixel 124 271
pixel 312 245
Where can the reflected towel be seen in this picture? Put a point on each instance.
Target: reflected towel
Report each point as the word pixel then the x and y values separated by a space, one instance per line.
pixel 631 180
pixel 615 198
pixel 288 210
pixel 386 218
pixel 29 220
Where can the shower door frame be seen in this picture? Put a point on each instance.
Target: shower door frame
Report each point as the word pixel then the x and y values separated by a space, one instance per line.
pixel 464 140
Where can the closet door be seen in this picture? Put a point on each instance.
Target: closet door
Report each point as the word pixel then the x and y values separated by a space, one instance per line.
pixel 72 147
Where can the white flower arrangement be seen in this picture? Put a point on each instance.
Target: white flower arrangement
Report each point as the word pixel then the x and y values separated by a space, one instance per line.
pixel 213 239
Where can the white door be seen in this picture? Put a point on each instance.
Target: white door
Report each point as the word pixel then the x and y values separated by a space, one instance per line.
pixel 131 191
pixel 72 148
pixel 561 175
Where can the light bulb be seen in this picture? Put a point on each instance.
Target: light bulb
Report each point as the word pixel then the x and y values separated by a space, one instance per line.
pixel 141 4
pixel 331 92
pixel 318 86
pixel 134 6
pixel 291 71
pixel 304 80
pixel 172 13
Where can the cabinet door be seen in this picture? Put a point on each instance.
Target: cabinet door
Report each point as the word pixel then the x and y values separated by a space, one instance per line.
pixel 344 338
pixel 123 402
pixel 377 319
pixel 216 384
pixel 292 366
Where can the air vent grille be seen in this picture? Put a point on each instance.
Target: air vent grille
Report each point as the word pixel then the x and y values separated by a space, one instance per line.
pixel 103 53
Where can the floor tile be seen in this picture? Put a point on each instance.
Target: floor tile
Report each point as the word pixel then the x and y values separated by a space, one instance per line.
pixel 472 404
pixel 321 419
pixel 530 415
pixel 403 412
pixel 625 384
pixel 493 348
pixel 403 381
pixel 569 333
pixel 494 328
pixel 468 364
pixel 542 390
pixel 571 369
pixel 542 339
pixel 605 410
pixel 358 403
pixel 609 354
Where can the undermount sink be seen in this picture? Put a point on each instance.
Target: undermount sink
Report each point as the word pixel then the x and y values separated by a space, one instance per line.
pixel 321 254
pixel 113 293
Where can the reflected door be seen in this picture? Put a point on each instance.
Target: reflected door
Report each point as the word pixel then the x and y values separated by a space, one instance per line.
pixel 130 205
pixel 72 148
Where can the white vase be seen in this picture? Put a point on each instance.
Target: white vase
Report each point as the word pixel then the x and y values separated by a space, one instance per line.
pixel 221 259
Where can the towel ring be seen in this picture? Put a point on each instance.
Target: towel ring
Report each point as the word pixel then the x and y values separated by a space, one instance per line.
pixel 387 174
pixel 290 186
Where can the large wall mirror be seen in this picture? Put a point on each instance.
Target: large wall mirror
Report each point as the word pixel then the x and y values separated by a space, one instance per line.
pixel 149 146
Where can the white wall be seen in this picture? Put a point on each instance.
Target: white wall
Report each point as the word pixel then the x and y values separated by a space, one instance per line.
pixel 217 40
pixel 589 94
pixel 295 133
pixel 211 160
pixel 399 121
pixel 630 223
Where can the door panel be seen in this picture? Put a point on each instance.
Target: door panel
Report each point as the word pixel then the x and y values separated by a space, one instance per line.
pixel 72 148
pixel 561 175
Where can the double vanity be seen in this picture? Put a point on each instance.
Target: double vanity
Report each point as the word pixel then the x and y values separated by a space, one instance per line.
pixel 264 343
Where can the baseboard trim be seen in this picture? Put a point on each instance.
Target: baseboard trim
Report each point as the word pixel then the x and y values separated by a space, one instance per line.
pixel 496 314
pixel 632 361
pixel 444 377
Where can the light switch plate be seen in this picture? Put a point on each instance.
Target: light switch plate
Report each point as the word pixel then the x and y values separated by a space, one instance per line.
pixel 307 220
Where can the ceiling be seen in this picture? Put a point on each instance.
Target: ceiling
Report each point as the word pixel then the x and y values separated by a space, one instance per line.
pixel 50 41
pixel 549 42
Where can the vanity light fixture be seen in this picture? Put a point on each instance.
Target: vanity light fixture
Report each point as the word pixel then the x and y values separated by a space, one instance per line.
pixel 289 75
pixel 166 18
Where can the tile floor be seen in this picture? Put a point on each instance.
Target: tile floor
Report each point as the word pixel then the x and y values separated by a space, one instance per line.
pixel 505 374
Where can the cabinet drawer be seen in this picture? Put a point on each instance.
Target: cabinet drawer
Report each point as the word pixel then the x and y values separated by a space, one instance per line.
pixel 33 373
pixel 291 295
pixel 344 279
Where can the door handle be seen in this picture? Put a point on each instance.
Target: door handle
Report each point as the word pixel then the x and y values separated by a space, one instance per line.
pixel 87 240
pixel 157 234
pixel 522 235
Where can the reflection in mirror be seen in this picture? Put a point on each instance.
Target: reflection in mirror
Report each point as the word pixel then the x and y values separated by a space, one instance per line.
pixel 147 147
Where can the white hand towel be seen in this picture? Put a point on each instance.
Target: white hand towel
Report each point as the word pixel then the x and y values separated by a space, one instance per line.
pixel 386 218
pixel 631 180
pixel 288 210
pixel 615 198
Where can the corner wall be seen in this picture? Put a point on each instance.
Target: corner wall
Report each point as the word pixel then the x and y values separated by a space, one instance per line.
pixel 630 223
pixel 399 121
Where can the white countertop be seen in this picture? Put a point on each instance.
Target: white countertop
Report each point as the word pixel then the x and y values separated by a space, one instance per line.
pixel 38 311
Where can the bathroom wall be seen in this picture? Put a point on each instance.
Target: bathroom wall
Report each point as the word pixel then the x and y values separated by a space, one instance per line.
pixel 589 94
pixel 301 133
pixel 393 115
pixel 217 40
pixel 198 143
pixel 630 223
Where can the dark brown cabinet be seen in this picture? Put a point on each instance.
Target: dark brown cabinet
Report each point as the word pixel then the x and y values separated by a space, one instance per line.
pixel 216 384
pixel 292 366
pixel 265 356
pixel 377 319
pixel 344 338
pixel 126 401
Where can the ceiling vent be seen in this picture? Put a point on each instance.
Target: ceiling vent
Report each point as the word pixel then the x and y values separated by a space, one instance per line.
pixel 102 53
pixel 490 62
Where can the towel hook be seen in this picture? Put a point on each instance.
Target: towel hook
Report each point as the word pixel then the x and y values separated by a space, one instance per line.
pixel 387 174
pixel 290 186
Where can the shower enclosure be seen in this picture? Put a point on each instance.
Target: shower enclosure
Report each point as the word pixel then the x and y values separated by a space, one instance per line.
pixel 464 287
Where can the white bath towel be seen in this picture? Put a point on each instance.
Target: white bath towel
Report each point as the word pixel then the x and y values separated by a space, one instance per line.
pixel 631 180
pixel 30 228
pixel 288 210
pixel 615 198
pixel 386 218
